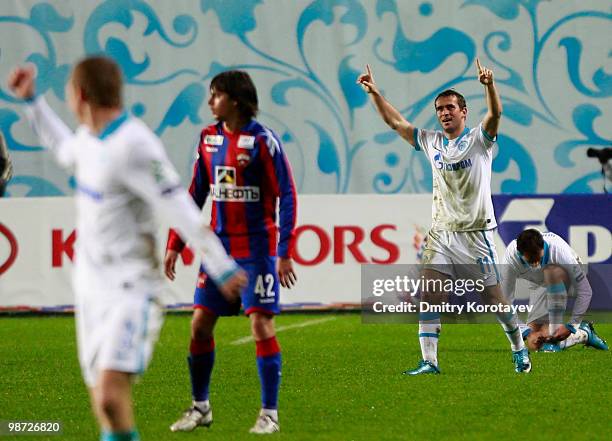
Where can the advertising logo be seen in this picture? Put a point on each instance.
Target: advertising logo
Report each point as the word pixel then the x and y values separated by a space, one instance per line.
pixel 225 189
pixel 8 248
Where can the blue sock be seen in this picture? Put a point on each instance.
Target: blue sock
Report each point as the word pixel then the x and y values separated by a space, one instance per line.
pixel 201 360
pixel 269 366
pixel 132 435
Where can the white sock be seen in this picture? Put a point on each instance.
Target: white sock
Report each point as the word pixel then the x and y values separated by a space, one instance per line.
pixel 579 337
pixel 429 332
pixel 509 322
pixel 557 298
pixel 202 405
pixel 272 413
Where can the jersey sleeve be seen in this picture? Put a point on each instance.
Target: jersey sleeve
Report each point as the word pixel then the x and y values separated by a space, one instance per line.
pixel 53 133
pixel 484 138
pixel 425 140
pixel 280 177
pixel 149 173
pixel 198 189
pixel 567 258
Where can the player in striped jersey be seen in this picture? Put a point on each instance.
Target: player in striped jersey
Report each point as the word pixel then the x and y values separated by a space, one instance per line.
pixel 460 241
pixel 242 167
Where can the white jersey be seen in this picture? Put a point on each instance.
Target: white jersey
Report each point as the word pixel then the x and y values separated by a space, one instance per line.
pixel 123 178
pixel 556 252
pixel 461 169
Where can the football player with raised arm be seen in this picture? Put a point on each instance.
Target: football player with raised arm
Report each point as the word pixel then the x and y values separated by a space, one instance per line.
pixel 123 180
pixel 460 241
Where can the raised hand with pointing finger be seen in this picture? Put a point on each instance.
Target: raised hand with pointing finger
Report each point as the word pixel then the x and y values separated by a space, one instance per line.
pixel 485 76
pixel 366 80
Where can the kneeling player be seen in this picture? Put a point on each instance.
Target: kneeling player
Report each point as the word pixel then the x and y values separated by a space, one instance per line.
pixel 242 165
pixel 553 268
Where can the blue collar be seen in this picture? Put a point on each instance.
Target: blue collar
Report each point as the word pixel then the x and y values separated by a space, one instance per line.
pixel 546 256
pixel 466 130
pixel 113 125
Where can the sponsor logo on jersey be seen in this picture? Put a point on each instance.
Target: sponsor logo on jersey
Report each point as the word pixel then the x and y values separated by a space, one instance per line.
pixel 451 166
pixel 213 140
pixel 246 142
pixel 243 159
pixel 225 188
pixel 210 141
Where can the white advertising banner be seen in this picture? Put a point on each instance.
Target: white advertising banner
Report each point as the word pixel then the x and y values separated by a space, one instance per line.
pixel 335 235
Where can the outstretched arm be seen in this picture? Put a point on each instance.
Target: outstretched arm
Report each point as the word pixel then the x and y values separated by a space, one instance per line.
pixel 390 115
pixel 490 123
pixel 51 130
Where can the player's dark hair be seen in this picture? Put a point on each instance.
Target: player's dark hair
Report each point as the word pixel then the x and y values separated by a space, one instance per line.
pixel 530 242
pixel 240 88
pixel 99 78
pixel 452 92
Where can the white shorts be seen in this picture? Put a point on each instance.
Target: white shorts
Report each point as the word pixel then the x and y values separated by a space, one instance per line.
pixel 116 329
pixel 463 254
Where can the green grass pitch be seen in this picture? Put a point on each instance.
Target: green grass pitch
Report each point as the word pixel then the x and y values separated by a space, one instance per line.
pixel 341 381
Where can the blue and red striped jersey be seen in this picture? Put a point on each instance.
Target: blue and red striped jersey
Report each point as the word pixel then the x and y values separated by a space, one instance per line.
pixel 247 175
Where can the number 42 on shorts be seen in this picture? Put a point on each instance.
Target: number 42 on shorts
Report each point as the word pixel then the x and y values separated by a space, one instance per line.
pixel 264 285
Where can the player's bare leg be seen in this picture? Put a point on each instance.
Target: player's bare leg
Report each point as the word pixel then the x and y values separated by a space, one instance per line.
pixel 494 295
pixel 201 361
pixel 112 400
pixel 269 367
pixel 103 422
pixel 429 322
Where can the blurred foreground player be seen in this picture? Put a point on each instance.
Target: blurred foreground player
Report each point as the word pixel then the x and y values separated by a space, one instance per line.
pixel 243 168
pixel 6 167
pixel 460 241
pixel 123 178
pixel 553 268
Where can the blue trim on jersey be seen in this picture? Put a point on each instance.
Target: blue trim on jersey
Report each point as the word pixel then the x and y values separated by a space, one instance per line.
pixel 486 135
pixel 415 135
pixel 491 255
pixel 520 256
pixel 95 195
pixel 445 140
pixel 546 256
pixel 113 125
pixel 429 334
pixel 145 331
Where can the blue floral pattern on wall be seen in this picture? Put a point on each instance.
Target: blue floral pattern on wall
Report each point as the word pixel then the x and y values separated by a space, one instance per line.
pixel 551 64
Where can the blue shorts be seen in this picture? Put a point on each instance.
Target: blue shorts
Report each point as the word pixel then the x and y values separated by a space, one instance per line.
pixel 260 295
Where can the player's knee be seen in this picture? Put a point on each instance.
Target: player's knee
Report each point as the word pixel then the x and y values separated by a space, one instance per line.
pixel 202 325
pixel 109 403
pixel 555 274
pixel 262 326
